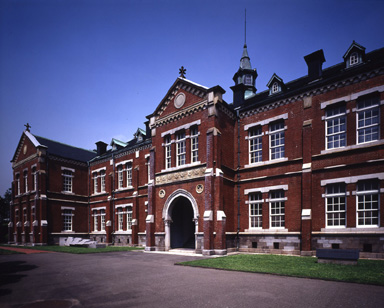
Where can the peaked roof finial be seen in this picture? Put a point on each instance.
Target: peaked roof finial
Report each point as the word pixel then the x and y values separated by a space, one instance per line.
pixel 27 127
pixel 245 28
pixel 182 71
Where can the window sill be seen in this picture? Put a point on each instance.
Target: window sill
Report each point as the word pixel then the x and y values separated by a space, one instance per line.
pixel 122 232
pixel 124 189
pixel 364 230
pixel 268 162
pixel 352 147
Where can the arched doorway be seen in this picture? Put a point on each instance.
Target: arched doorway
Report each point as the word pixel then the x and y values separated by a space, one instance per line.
pixel 180 215
pixel 182 225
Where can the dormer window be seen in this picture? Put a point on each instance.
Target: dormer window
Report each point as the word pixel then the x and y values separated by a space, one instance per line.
pixel 355 55
pixel 248 80
pixel 275 88
pixel 354 59
pixel 275 85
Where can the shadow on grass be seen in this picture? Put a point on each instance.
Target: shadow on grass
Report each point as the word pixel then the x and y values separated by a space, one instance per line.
pixel 9 273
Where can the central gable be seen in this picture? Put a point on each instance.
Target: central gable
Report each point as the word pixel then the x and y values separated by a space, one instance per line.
pixel 182 94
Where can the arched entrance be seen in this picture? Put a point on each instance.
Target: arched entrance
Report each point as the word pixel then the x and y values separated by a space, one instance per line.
pixel 180 214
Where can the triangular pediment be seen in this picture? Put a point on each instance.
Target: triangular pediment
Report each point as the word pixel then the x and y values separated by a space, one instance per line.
pixel 182 94
pixel 26 147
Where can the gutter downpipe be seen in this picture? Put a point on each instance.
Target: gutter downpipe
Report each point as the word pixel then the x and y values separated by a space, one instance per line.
pixel 113 197
pixel 238 181
pixel 89 199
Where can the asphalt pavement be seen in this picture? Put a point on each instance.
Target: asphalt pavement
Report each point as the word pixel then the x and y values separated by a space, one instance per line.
pixel 139 279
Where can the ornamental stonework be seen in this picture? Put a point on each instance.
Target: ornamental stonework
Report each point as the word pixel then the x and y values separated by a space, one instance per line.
pixel 180 176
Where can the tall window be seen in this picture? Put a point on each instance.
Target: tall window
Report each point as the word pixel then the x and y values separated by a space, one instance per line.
pixel 25 214
pixel 95 183
pixel 102 177
pixel 368 119
pixel 129 174
pixel 120 218
pixel 276 138
pixel 255 144
pixel 129 218
pixel 335 127
pixel 25 181
pixel 120 176
pixel 67 180
pixel 368 203
pixel 168 152
pixel 148 169
pixel 255 210
pixel 277 209
pixel 180 148
pixel 95 221
pixel 18 183
pixel 102 220
pixel 194 144
pixel 34 173
pixel 335 205
pixel 67 220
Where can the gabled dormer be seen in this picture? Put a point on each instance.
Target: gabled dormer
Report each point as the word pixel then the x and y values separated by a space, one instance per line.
pixel 355 55
pixel 275 85
pixel 140 135
pixel 117 144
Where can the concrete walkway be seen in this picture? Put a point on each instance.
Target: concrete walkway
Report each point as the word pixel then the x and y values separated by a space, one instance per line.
pixel 138 279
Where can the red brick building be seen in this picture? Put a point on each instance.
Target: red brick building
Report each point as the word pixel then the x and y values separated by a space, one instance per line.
pixel 288 170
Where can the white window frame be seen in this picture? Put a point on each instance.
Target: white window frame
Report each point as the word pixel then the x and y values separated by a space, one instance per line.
pixel 255 202
pixel 333 199
pixel 168 151
pixel 102 220
pixel 102 177
pixel 95 182
pixel 334 116
pixel 18 188
pixel 67 175
pixel 67 219
pixel 129 217
pixel 95 222
pixel 129 174
pixel 362 196
pixel 278 134
pixel 25 178
pixel 280 201
pixel 120 219
pixel 120 176
pixel 181 152
pixel 255 145
pixel 354 58
pixel 362 114
pixel 194 144
pixel 34 173
pixel 275 88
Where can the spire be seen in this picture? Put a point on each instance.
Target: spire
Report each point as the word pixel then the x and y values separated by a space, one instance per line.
pixel 245 61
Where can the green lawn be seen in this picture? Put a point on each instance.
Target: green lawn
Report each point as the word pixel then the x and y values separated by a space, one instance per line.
pixel 8 252
pixel 78 250
pixel 366 271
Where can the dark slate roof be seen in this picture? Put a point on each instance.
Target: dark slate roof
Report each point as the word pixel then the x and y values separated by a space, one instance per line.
pixel 66 151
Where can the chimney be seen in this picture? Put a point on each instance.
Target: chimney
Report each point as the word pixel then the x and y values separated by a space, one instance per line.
pixel 101 148
pixel 315 62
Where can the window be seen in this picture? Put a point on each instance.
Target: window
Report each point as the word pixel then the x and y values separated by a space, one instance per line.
pixel 129 218
pixel 194 144
pixel 129 174
pixel 354 58
pixel 148 163
pixel 120 218
pixel 25 215
pixel 18 183
pixel 277 209
pixel 120 176
pixel 95 183
pixel 180 148
pixel 368 203
pixel 34 173
pixel 95 221
pixel 67 180
pixel 335 205
pixel 168 152
pixel 277 142
pixel 248 80
pixel 102 176
pixel 275 87
pixel 17 215
pixel 33 213
pixel 368 120
pixel 67 220
pixel 255 144
pixel 255 210
pixel 335 130
pixel 102 215
pixel 25 181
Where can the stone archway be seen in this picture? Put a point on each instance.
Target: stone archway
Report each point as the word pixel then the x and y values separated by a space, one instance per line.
pixel 180 215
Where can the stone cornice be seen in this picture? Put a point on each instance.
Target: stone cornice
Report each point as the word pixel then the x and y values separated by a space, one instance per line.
pixel 70 161
pixel 25 160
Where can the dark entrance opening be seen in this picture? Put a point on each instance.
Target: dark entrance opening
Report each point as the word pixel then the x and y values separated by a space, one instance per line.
pixel 182 226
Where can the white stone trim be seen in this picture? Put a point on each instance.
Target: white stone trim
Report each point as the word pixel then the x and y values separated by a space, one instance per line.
pixel 124 162
pixel 98 170
pixel 353 179
pixel 99 208
pixel 68 208
pixel 266 189
pixel 351 147
pixel 267 121
pixel 185 126
pixel 32 138
pixel 69 169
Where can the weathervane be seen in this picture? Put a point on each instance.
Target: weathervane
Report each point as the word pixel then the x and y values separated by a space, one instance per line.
pixel 182 71
pixel 27 126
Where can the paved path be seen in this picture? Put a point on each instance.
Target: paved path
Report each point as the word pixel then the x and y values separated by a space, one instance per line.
pixel 138 279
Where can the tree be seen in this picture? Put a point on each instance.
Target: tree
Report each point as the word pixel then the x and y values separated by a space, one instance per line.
pixel 4 206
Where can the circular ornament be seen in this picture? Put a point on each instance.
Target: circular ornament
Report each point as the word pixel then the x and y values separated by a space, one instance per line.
pixel 199 188
pixel 162 193
pixel 179 100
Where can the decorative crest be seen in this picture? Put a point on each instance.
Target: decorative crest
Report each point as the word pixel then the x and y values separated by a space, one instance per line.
pixel 182 71
pixel 27 126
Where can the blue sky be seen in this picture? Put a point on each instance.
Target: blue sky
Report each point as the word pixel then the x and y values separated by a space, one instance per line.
pixel 80 71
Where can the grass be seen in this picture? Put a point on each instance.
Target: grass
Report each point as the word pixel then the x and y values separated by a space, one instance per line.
pixel 8 252
pixel 78 250
pixel 365 272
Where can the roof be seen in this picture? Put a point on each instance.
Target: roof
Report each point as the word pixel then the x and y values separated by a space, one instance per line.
pixel 64 150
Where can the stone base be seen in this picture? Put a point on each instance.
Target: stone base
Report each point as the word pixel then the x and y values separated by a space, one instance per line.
pixel 149 248
pixel 333 261
pixel 221 252
pixel 208 252
pixel 307 253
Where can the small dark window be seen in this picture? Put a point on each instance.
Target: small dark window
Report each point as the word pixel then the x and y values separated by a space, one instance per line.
pixel 367 247
pixel 276 245
pixel 335 246
pixel 254 244
pixel 127 240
